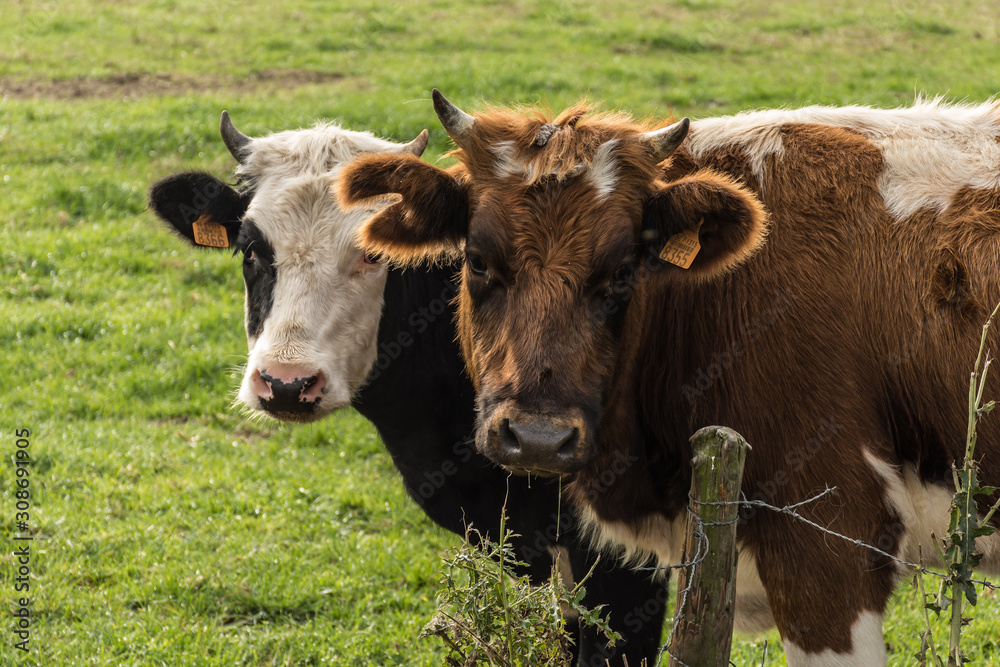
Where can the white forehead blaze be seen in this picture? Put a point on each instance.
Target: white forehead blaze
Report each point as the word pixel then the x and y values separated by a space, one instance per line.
pixel 932 150
pixel 507 165
pixel 601 171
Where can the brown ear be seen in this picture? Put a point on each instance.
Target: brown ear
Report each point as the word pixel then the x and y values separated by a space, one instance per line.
pixel 429 220
pixel 705 224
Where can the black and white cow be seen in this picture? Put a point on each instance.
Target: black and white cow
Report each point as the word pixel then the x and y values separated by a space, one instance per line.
pixel 327 327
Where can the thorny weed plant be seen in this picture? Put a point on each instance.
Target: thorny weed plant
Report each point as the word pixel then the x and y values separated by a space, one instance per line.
pixel 487 615
pixel 959 546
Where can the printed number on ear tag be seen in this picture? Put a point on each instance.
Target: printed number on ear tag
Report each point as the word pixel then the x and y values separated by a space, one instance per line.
pixel 209 233
pixel 681 249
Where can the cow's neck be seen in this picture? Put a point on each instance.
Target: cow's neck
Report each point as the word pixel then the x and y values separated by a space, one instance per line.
pixel 418 383
pixel 636 475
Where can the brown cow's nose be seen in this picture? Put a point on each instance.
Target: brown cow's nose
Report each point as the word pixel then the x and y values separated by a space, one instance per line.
pixel 539 446
pixel 288 390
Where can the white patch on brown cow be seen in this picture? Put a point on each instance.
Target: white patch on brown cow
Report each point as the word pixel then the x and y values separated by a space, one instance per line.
pixel 753 612
pixel 931 150
pixel 654 536
pixel 663 539
pixel 507 164
pixel 867 647
pixel 925 510
pixel 603 172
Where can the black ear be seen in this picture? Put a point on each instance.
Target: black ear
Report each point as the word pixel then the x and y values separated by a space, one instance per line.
pixel 704 223
pixel 199 207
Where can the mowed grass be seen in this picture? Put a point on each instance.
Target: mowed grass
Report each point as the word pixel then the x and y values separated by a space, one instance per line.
pixel 168 529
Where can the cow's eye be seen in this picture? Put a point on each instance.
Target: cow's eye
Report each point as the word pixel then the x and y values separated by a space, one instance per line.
pixel 371 259
pixel 249 257
pixel 623 274
pixel 477 265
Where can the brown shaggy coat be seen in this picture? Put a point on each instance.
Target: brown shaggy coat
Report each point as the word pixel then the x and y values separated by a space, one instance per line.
pixel 848 259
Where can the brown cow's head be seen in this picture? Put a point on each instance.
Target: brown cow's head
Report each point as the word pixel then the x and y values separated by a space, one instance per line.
pixel 556 219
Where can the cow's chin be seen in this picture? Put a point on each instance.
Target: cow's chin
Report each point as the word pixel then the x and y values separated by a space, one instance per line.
pixel 300 417
pixel 305 413
pixel 525 472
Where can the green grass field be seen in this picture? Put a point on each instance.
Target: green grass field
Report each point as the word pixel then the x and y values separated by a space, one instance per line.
pixel 170 531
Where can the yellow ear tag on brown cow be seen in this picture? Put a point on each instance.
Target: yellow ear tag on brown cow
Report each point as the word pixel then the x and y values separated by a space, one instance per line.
pixel 681 249
pixel 209 233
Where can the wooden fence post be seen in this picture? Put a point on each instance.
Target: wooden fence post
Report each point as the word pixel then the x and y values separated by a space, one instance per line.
pixel 706 592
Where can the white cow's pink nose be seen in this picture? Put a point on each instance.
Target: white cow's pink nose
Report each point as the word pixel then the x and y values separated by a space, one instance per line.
pixel 283 389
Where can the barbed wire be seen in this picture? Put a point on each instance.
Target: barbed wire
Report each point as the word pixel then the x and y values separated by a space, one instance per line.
pixel 856 542
pixel 700 554
pixel 702 542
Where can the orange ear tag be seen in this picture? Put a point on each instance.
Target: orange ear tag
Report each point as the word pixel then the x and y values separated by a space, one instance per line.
pixel 681 249
pixel 209 233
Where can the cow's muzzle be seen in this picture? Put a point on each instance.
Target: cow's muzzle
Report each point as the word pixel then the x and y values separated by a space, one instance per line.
pixel 533 442
pixel 289 393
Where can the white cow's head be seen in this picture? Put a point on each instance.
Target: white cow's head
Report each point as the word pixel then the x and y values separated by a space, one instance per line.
pixel 313 299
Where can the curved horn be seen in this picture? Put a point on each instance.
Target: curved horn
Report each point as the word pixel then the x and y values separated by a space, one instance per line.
pixel 665 141
pixel 456 122
pixel 235 140
pixel 416 146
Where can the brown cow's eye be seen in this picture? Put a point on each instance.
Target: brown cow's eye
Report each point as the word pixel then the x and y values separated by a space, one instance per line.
pixel 477 265
pixel 371 258
pixel 623 275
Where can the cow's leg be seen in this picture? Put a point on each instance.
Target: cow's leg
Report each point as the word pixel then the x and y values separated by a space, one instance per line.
pixel 867 647
pixel 637 604
pixel 825 616
pixel 826 595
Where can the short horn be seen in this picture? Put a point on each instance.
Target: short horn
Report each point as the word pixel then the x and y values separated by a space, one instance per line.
pixel 665 141
pixel 235 140
pixel 456 122
pixel 416 146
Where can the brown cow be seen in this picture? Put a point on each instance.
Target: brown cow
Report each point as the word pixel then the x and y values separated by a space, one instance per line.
pixel 839 265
